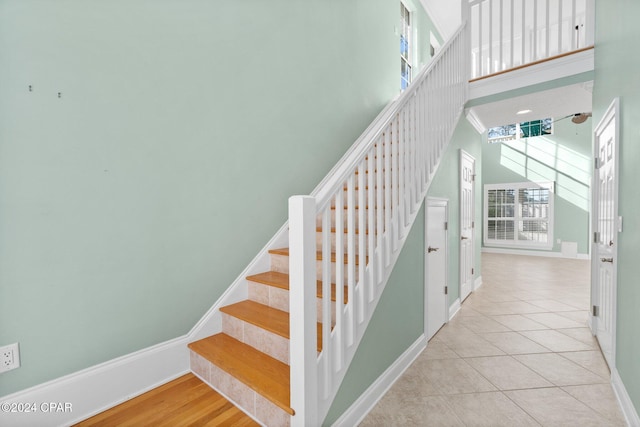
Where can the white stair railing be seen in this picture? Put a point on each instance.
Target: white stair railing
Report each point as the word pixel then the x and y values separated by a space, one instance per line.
pixel 370 200
pixel 510 33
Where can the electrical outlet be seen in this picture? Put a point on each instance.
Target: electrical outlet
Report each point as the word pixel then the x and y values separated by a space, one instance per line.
pixel 9 357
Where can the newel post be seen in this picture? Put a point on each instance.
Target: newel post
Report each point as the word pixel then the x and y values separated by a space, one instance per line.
pixel 302 310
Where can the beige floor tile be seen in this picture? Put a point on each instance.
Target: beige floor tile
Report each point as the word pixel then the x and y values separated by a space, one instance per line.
pixel 451 376
pixel 506 373
pixel 553 320
pixel 600 398
pixel 473 346
pixel 514 343
pixel 553 407
pixel 480 324
pixel 517 322
pixel 555 341
pixel 559 370
pixel 489 410
pixel 591 360
pixel 580 316
pixel 552 305
pixel 398 409
pixel 521 307
pixel 438 350
pixel 581 334
pixel 456 380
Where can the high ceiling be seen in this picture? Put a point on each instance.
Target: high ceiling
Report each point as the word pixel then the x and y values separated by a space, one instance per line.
pixel 555 103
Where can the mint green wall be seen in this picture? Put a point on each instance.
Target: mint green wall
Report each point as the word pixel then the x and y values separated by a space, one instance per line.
pixel 616 75
pixel 130 203
pixel 446 185
pixel 397 323
pixel 565 158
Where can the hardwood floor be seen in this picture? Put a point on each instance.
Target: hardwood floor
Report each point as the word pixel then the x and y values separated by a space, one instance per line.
pixel 185 401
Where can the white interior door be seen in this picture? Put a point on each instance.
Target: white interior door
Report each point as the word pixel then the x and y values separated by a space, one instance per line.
pixel 467 224
pixel 606 227
pixel 436 265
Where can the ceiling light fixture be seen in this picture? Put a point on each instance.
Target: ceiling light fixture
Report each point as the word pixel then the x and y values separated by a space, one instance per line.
pixel 521 112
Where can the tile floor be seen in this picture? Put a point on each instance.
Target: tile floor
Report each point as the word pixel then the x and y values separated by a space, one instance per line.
pixel 519 353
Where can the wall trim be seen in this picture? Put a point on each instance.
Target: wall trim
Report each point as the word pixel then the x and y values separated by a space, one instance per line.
pixel 477 283
pixel 100 387
pixel 629 411
pixel 367 400
pixel 532 253
pixel 565 66
pixel 454 308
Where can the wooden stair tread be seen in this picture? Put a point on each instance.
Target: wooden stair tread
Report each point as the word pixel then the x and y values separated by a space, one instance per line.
pixel 285 252
pixel 265 317
pixel 281 281
pixel 260 372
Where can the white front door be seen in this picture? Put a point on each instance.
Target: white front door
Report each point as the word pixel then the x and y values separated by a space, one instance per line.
pixel 436 266
pixel 467 223
pixel 606 227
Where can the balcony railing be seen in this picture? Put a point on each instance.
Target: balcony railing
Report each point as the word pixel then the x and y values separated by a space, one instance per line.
pixel 507 34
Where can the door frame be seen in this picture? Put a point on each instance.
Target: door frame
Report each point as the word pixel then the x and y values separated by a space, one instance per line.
pixel 436 202
pixel 472 238
pixel 612 114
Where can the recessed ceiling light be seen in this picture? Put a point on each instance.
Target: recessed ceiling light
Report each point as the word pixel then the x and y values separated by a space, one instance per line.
pixel 521 112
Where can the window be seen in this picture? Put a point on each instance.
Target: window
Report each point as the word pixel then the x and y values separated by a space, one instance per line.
pixel 519 215
pixel 521 130
pixel 405 47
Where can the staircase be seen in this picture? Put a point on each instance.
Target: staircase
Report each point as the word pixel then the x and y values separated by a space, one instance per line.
pixel 287 337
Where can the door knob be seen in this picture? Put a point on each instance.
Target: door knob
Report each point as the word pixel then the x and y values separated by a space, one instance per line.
pixel 606 259
pixel 463 238
pixel 430 249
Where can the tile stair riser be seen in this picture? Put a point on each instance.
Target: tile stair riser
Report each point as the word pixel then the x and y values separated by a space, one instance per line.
pixel 241 394
pixel 267 342
pixel 280 263
pixel 279 299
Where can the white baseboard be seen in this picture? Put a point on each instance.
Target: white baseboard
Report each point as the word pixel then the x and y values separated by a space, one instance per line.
pixel 454 308
pixel 95 389
pixel 525 252
pixel 629 411
pixel 363 405
pixel 477 283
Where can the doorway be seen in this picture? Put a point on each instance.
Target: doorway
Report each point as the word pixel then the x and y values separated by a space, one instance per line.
pixel 606 226
pixel 436 265
pixel 467 223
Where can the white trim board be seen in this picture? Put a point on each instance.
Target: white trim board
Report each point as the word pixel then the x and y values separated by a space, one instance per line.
pixel 95 389
pixel 525 252
pixel 454 308
pixel 477 283
pixel 565 66
pixel 626 405
pixel 367 400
